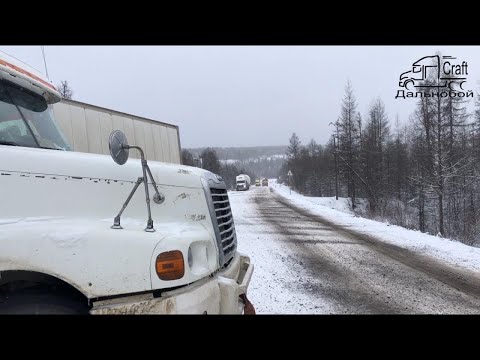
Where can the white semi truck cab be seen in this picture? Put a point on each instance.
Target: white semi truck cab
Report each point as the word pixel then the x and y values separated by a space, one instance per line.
pixel 65 249
pixel 243 182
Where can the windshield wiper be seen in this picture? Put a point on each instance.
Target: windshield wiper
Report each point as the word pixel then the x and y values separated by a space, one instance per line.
pixel 8 143
pixel 49 148
pixel 11 143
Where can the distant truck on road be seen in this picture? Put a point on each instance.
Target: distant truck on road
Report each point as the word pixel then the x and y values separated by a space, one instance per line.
pixel 265 182
pixel 243 182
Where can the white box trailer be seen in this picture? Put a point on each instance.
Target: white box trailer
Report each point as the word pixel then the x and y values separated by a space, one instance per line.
pixel 87 128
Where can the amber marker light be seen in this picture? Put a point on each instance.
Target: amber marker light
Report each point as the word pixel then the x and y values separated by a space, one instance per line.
pixel 170 265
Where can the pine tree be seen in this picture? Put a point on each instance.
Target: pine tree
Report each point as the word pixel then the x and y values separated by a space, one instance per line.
pixel 348 126
pixel 293 157
pixel 210 160
pixel 187 157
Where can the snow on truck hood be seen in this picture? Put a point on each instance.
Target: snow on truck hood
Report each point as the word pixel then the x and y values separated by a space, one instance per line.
pixel 85 165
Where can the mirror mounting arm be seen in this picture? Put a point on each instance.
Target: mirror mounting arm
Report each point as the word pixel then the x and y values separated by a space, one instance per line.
pixel 157 198
pixel 119 150
pixel 116 221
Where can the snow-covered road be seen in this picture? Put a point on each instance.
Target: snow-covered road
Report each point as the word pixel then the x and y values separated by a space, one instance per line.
pixel 305 263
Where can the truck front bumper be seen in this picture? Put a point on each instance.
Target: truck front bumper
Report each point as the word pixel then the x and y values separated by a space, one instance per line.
pixel 219 294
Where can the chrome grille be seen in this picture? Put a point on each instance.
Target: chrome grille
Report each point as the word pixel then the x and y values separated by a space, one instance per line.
pixel 226 228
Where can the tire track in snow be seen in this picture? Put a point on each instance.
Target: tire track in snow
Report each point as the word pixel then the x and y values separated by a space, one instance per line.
pixel 466 282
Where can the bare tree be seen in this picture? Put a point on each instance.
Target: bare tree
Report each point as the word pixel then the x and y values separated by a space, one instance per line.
pixel 375 139
pixel 65 90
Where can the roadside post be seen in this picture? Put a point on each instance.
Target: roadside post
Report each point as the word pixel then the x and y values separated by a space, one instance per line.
pixel 289 175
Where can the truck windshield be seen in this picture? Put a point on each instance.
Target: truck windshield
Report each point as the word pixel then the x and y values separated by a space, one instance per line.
pixel 241 182
pixel 27 120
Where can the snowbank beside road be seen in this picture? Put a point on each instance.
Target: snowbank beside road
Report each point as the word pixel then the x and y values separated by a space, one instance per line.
pixel 450 251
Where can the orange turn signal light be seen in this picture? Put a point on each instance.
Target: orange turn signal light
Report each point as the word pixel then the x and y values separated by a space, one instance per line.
pixel 170 265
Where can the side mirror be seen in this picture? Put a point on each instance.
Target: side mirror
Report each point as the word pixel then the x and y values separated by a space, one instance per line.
pixel 118 146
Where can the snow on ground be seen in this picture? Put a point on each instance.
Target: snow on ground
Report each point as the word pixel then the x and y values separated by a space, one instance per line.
pixel 452 252
pixel 274 288
pixel 229 161
pixel 253 159
pixel 342 204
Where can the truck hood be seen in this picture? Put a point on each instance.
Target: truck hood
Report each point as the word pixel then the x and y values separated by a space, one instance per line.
pixel 58 208
pixel 94 166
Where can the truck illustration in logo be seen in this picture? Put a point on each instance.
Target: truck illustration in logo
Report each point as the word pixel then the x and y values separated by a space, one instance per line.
pixel 441 71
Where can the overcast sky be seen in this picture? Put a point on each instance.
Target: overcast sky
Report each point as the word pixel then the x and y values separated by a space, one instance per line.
pixel 239 95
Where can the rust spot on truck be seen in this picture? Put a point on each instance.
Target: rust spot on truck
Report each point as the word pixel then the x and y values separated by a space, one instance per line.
pixel 183 171
pixel 143 307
